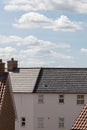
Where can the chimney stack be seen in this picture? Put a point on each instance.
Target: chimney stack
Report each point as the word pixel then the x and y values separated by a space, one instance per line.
pixel 12 64
pixel 2 66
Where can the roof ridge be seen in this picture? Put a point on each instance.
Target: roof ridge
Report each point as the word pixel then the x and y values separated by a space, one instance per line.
pixel 36 80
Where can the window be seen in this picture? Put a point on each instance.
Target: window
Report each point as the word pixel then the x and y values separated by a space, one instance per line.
pixel 61 122
pixel 61 98
pixel 40 122
pixel 23 121
pixel 80 99
pixel 40 99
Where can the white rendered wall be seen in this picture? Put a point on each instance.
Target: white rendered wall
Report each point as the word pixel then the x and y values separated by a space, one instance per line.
pixel 27 106
pixel 24 107
pixel 51 110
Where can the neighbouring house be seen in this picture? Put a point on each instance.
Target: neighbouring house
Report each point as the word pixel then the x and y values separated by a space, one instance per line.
pixel 7 108
pixel 81 121
pixel 47 98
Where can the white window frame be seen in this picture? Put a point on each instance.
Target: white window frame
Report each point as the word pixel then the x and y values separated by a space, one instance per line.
pixel 61 122
pixel 40 99
pixel 40 122
pixel 80 99
pixel 61 98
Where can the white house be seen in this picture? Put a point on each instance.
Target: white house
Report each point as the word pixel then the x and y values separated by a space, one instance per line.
pixel 48 98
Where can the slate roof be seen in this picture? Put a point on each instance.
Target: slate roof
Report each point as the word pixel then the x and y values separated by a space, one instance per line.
pixel 62 80
pixel 81 121
pixel 3 79
pixel 24 79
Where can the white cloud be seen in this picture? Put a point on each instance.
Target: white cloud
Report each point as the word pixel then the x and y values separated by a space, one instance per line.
pixel 83 50
pixel 79 6
pixel 7 52
pixel 32 20
pixel 32 49
pixel 65 24
pixel 10 39
pixel 31 41
pixel 36 20
pixel 61 56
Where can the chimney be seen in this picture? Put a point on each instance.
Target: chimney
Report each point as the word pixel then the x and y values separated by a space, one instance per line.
pixel 2 66
pixel 12 64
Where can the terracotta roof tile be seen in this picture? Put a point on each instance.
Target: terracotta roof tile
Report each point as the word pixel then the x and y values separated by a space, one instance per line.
pixel 3 79
pixel 81 121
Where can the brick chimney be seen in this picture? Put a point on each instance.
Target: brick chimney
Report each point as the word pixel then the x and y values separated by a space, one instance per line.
pixel 12 64
pixel 2 66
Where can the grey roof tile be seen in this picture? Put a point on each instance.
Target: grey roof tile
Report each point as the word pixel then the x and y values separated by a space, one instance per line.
pixel 24 79
pixel 62 80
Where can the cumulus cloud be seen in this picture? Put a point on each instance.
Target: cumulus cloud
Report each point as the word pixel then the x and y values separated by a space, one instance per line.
pixel 83 50
pixel 6 52
pixel 31 41
pixel 61 56
pixel 32 20
pixel 36 20
pixel 79 6
pixel 33 49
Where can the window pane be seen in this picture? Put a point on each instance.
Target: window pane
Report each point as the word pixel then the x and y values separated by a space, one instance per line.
pixel 40 122
pixel 23 121
pixel 40 99
pixel 80 99
pixel 61 122
pixel 61 98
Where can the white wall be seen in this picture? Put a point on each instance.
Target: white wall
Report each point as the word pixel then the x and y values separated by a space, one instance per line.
pixel 27 106
pixel 51 110
pixel 24 107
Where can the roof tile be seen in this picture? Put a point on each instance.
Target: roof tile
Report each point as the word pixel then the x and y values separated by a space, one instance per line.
pixel 24 80
pixel 62 80
pixel 81 121
pixel 3 79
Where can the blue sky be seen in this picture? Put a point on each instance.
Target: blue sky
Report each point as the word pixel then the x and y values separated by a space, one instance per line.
pixel 41 33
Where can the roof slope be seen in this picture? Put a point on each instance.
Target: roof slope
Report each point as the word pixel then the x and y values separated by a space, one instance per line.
pixel 24 79
pixel 3 79
pixel 62 80
pixel 81 121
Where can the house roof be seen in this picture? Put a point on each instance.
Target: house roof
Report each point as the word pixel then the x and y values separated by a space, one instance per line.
pixel 81 121
pixel 62 80
pixel 3 79
pixel 24 79
pixel 49 80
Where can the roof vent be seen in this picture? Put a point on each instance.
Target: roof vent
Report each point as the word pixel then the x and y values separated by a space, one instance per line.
pixel 12 64
pixel 45 85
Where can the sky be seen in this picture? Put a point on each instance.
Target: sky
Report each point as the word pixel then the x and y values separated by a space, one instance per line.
pixel 44 33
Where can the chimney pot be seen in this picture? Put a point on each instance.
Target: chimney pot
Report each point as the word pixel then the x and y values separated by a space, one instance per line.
pixel 2 66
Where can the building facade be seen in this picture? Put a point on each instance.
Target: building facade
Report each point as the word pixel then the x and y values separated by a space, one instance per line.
pixel 48 98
